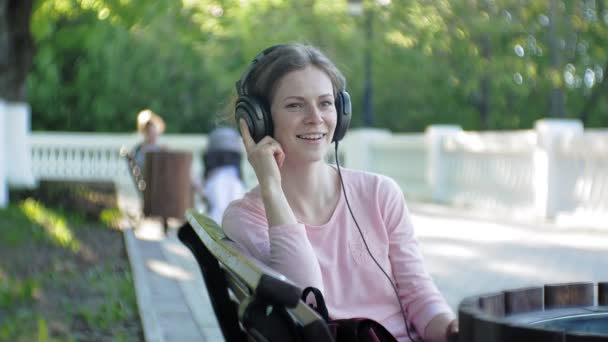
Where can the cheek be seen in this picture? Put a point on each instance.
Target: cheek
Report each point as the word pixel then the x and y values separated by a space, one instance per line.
pixel 281 126
pixel 331 119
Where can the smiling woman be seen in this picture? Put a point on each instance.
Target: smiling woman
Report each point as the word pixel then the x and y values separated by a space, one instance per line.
pixel 303 218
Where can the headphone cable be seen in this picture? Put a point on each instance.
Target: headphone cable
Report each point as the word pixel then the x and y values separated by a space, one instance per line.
pixel 407 330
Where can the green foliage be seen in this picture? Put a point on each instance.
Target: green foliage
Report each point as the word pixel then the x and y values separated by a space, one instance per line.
pixel 13 291
pixel 120 303
pixel 62 293
pixel 99 62
pixel 17 229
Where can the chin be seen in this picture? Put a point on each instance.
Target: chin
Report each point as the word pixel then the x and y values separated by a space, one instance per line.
pixel 308 157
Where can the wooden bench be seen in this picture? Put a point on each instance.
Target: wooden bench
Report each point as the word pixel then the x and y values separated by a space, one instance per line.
pixel 250 301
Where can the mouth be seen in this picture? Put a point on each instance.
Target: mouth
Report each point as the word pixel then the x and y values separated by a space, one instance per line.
pixel 312 136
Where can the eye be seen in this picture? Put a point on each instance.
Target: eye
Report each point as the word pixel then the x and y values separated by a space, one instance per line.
pixel 327 103
pixel 294 105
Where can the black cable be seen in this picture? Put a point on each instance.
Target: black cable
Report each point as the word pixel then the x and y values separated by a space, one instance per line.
pixel 407 329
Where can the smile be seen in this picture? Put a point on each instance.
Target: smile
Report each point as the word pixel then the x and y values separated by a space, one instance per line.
pixel 315 136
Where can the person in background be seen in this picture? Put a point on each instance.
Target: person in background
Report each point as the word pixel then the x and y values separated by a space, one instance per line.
pixel 151 126
pixel 223 181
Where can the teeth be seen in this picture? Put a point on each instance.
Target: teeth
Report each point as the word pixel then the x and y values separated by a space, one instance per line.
pixel 311 136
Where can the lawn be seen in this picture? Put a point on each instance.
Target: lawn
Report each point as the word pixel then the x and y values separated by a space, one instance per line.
pixel 64 273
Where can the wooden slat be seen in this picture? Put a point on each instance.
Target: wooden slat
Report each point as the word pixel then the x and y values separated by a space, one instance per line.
pixel 493 304
pixel 602 293
pixel 523 300
pixel 568 295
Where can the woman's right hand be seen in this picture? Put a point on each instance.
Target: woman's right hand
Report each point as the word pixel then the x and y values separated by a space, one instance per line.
pixel 266 157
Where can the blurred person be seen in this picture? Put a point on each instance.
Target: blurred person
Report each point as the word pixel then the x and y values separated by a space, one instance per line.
pixel 222 179
pixel 151 126
pixel 345 232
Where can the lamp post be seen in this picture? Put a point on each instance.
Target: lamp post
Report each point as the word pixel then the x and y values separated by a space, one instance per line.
pixel 355 7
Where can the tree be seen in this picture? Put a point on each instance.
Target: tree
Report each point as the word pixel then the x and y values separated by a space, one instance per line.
pixel 16 47
pixel 477 63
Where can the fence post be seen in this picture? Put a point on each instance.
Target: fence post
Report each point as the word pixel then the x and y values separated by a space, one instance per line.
pixel 357 147
pixel 436 167
pixel 18 152
pixel 549 184
pixel 3 148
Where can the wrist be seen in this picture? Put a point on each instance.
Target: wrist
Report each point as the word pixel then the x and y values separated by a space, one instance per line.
pixel 437 329
pixel 270 188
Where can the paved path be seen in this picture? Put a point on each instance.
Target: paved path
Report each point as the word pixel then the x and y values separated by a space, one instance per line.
pixel 465 254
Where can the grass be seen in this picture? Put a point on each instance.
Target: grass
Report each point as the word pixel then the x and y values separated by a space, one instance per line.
pixel 64 277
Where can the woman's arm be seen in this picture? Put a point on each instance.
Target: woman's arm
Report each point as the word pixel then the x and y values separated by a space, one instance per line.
pixel 285 248
pixel 279 241
pixel 426 308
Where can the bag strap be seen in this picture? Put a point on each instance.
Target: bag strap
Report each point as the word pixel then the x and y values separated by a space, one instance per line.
pixel 321 308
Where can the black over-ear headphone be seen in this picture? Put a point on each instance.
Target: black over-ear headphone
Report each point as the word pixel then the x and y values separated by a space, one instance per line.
pixel 256 112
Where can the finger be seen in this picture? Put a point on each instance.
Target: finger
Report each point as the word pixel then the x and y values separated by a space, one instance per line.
pixel 247 139
pixel 268 140
pixel 275 148
pixel 279 156
pixel 453 327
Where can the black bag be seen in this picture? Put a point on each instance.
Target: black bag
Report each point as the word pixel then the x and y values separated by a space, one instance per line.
pixel 349 329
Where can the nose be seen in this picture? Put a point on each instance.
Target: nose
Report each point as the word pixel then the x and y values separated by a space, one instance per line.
pixel 315 115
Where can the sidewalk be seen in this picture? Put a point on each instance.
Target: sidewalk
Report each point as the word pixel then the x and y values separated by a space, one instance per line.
pixel 465 255
pixel 171 295
pixel 468 256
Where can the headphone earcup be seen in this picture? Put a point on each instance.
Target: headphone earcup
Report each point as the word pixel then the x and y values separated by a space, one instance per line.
pixel 344 111
pixel 256 116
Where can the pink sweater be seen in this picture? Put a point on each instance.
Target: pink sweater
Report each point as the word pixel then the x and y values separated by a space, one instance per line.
pixel 333 258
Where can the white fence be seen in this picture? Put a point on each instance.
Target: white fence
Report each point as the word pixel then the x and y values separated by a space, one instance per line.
pixel 96 156
pixel 555 170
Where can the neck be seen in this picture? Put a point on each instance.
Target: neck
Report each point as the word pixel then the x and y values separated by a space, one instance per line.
pixel 312 190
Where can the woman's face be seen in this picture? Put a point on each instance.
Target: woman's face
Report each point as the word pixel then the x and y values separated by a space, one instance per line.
pixel 304 114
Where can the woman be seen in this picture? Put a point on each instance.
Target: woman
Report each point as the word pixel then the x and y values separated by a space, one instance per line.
pixel 300 221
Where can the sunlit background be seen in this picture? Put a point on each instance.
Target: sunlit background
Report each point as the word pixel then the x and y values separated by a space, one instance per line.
pixel 491 115
pixel 480 64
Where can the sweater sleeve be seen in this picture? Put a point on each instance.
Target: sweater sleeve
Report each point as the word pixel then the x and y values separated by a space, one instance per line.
pixel 285 248
pixel 418 293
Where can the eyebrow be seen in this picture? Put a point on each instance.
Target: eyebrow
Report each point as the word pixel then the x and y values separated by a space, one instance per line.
pixel 302 98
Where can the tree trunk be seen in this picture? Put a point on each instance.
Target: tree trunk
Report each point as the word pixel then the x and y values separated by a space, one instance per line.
pixel 483 102
pixel 557 103
pixel 16 48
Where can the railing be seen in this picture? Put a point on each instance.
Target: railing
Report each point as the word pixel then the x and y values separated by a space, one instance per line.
pixel 491 170
pixel 403 157
pixel 555 170
pixel 583 161
pixel 96 156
